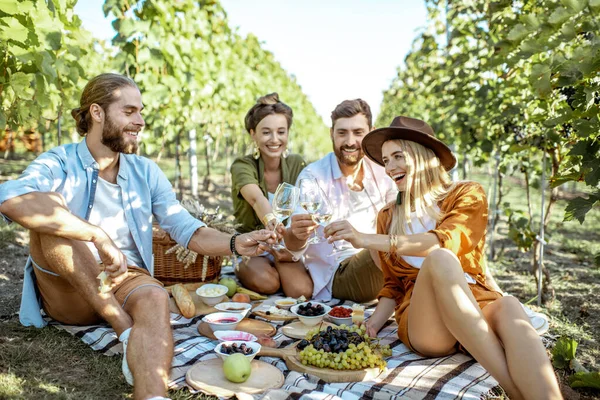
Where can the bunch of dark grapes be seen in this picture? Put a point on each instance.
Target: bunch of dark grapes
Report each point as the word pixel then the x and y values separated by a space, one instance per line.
pixel 311 310
pixel 234 348
pixel 586 35
pixel 342 348
pixel 567 130
pixel 568 92
pixel 516 130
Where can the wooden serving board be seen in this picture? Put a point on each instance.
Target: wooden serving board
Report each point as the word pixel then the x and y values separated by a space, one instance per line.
pixel 252 326
pixel 297 330
pixel 208 377
pixel 290 356
pixel 275 318
pixel 201 307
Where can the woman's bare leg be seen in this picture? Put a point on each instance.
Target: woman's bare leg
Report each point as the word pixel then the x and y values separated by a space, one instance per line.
pixel 442 307
pixel 295 279
pixel 259 275
pixel 528 362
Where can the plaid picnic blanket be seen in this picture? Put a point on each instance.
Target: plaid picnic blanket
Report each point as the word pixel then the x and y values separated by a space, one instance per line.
pixel 408 375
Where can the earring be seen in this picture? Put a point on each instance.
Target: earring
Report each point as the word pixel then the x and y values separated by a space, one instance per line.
pixel 286 153
pixel 256 152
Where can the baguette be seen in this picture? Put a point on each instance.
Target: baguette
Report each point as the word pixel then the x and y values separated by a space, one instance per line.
pixel 187 286
pixel 184 301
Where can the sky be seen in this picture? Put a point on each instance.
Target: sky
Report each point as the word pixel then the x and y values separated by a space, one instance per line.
pixel 336 49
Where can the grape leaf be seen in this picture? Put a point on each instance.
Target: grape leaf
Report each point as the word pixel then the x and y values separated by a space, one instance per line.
pixel 578 207
pixel 585 380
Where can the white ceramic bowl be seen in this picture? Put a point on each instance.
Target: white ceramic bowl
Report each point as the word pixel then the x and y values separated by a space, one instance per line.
pixel 310 321
pixel 233 307
pixel 253 345
pixel 222 321
pixel 285 304
pixel 212 299
pixel 341 321
pixel 235 336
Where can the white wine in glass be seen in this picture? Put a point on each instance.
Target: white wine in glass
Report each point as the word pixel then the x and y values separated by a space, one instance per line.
pixel 310 200
pixel 284 204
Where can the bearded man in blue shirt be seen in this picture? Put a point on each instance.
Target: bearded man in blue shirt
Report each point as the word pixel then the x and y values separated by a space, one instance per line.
pixel 89 206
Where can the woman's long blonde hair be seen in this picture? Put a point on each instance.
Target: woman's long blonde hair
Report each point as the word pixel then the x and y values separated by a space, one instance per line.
pixel 427 183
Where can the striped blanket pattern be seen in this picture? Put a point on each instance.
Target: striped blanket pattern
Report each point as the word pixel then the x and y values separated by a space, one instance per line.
pixel 407 376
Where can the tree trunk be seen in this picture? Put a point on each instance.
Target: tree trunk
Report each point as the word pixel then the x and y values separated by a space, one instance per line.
pixel 547 289
pixel 207 161
pixel 526 173
pixel 193 164
pixel 59 126
pixel 178 185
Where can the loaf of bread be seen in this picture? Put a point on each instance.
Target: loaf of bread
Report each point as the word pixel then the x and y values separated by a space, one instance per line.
pixel 188 286
pixel 183 300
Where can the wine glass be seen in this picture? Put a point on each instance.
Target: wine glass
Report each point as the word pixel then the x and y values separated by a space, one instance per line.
pixel 310 200
pixel 323 216
pixel 284 204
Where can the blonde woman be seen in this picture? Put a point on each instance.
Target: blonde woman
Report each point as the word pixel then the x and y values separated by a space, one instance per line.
pixel 430 243
pixel 255 178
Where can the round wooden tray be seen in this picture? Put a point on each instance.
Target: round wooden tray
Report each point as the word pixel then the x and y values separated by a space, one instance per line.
pixel 208 377
pixel 252 326
pixel 292 361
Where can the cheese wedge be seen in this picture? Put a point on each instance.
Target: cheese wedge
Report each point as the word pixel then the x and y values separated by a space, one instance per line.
pixel 105 282
pixel 358 314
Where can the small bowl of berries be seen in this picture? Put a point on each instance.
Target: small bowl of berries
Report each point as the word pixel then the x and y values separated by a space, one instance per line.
pixel 227 348
pixel 341 315
pixel 310 313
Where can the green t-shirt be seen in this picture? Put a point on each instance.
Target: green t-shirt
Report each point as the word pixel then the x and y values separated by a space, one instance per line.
pixel 246 170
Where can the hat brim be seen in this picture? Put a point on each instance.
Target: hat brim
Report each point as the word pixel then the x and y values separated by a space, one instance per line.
pixel 373 141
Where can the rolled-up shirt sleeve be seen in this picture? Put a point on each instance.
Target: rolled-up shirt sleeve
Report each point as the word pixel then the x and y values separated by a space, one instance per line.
pixel 170 214
pixel 243 173
pixel 45 174
pixel 463 226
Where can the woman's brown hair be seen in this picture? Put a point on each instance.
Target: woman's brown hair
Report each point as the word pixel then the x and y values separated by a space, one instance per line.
pixel 99 90
pixel 267 105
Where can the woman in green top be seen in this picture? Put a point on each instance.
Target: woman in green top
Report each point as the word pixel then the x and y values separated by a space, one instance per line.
pixel 255 178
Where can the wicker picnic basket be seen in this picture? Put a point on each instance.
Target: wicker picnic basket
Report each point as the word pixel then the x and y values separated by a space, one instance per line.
pixel 170 271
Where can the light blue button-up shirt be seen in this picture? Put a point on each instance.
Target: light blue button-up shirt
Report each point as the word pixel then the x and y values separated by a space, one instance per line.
pixel 72 171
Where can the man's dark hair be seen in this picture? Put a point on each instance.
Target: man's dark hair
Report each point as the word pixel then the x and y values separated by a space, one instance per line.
pixel 350 108
pixel 99 90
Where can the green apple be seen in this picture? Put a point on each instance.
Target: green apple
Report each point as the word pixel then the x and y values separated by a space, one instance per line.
pixel 231 286
pixel 237 368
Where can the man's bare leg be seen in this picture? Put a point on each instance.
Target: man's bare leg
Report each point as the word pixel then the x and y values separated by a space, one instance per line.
pixel 150 346
pixel 73 261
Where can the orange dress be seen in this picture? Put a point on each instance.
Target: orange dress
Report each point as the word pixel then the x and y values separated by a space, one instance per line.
pixel 461 230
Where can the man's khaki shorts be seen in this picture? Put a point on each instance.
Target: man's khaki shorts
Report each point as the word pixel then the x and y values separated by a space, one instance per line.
pixel 62 302
pixel 357 279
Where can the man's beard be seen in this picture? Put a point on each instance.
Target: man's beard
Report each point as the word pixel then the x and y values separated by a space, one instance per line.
pixel 114 138
pixel 350 161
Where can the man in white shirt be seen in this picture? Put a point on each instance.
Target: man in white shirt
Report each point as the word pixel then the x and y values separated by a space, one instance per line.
pixel 358 189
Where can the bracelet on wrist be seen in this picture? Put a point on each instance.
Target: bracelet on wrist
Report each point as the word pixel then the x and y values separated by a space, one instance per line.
pixel 232 244
pixel 267 218
pixel 393 244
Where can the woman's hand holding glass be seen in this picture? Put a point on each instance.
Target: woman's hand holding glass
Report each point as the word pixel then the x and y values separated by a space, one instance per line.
pixel 343 230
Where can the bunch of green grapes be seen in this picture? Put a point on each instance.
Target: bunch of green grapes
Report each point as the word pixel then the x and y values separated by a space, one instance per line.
pixel 342 348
